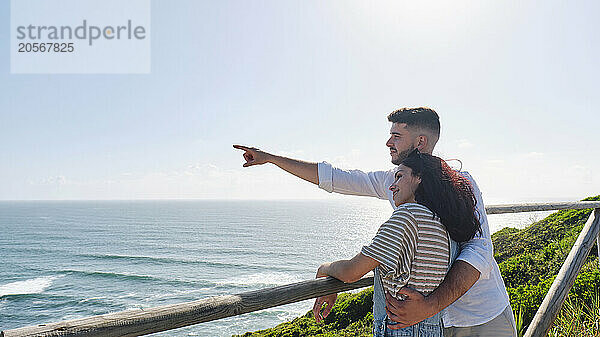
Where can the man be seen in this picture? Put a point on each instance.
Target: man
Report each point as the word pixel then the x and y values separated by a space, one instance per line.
pixel 473 289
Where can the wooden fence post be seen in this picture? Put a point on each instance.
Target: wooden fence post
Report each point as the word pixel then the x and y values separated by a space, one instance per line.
pixel 542 321
pixel 598 246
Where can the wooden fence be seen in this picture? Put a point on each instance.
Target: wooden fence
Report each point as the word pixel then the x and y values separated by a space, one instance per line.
pixel 146 321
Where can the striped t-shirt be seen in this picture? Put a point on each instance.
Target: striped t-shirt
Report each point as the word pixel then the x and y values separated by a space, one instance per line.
pixel 412 248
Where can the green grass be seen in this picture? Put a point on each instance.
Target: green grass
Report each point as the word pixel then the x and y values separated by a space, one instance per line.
pixel 578 318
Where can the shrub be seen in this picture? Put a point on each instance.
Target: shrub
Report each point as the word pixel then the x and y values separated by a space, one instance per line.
pixel 351 316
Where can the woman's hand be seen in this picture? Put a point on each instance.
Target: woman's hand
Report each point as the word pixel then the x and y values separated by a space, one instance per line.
pixel 323 270
pixel 329 300
pixel 345 271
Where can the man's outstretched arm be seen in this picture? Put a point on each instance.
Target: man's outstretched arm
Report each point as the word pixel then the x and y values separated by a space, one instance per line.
pixel 416 307
pixel 301 169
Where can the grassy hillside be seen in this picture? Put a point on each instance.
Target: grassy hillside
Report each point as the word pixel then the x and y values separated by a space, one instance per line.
pixel 529 260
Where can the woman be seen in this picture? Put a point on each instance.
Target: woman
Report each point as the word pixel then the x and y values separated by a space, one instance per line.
pixel 416 246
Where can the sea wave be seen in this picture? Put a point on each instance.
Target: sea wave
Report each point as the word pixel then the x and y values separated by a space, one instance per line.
pixel 261 279
pixel 135 278
pixel 155 259
pixel 93 299
pixel 174 260
pixel 111 275
pixel 31 286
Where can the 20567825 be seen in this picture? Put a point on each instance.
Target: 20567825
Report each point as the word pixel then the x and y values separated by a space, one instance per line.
pixel 46 47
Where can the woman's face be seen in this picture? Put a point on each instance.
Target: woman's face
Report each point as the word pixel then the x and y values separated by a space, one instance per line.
pixel 404 186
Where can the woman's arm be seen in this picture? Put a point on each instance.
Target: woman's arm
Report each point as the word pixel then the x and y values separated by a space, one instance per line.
pixel 348 271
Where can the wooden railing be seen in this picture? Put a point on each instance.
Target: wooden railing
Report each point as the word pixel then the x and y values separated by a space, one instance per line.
pixel 138 322
pixel 542 321
pixel 145 321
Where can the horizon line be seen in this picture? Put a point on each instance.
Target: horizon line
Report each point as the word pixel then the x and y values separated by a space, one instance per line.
pixel 332 197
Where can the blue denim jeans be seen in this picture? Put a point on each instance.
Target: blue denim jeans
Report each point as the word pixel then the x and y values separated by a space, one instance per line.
pixel 430 327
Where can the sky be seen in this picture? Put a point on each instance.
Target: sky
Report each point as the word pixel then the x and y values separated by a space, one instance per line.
pixel 515 84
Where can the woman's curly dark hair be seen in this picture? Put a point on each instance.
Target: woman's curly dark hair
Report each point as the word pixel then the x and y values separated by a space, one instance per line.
pixel 446 193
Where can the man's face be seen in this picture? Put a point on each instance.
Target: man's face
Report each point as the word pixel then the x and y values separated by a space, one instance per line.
pixel 401 142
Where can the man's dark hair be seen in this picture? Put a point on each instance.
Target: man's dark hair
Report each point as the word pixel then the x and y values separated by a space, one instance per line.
pixel 421 118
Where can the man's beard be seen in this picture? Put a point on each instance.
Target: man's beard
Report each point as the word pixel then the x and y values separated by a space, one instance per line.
pixel 402 155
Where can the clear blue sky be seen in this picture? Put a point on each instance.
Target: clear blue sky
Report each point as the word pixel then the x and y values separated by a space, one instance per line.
pixel 515 84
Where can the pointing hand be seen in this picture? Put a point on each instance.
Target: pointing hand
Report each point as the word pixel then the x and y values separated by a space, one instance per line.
pixel 253 156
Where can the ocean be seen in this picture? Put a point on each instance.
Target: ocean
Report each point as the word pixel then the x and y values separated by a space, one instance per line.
pixel 63 260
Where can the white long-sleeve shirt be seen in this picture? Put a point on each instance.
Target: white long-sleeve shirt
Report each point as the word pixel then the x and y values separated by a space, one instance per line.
pixel 487 298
